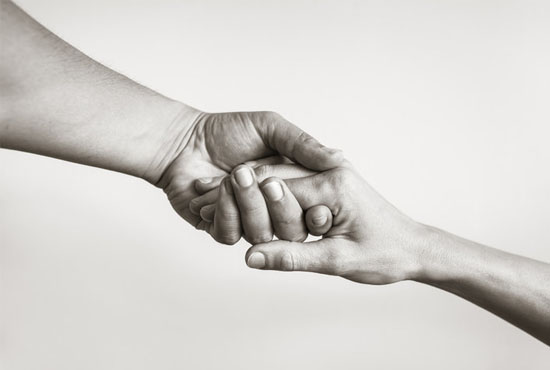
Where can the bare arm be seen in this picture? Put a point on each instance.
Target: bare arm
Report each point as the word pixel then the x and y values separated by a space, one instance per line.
pixel 58 102
pixel 513 287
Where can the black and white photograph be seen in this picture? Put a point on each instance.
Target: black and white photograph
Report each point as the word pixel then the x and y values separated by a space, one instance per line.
pixel 244 185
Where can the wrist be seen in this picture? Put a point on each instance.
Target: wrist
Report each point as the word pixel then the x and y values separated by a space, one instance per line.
pixel 172 138
pixel 441 256
pixel 427 252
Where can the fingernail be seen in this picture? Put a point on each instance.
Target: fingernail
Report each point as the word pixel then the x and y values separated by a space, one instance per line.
pixel 205 180
pixel 244 177
pixel 256 260
pixel 319 221
pixel 273 190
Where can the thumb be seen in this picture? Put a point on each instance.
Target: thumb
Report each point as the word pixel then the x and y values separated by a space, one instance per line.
pixel 320 256
pixel 318 220
pixel 292 142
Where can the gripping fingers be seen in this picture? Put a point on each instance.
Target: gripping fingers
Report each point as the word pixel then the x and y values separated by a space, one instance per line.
pixel 205 184
pixel 286 214
pixel 226 228
pixel 271 166
pixel 199 202
pixel 318 220
pixel 254 214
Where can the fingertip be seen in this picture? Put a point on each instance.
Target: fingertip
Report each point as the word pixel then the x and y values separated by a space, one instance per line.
pixel 202 225
pixel 256 260
pixel 228 238
pixel 205 184
pixel 274 255
pixel 197 203
pixel 272 189
pixel 242 176
pixel 260 237
pixel 207 212
pixel 318 220
pixel 263 250
pixel 195 207
pixel 201 184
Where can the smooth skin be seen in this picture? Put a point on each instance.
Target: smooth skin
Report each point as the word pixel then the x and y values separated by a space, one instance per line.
pixel 55 101
pixel 372 242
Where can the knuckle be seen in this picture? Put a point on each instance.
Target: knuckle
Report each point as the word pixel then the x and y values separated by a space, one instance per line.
pixel 344 175
pixel 287 262
pixel 348 176
pixel 228 217
pixel 304 137
pixel 341 179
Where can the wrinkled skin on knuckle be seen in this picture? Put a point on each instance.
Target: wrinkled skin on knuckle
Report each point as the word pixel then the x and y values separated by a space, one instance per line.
pixel 225 231
pixel 341 176
pixel 229 218
pixel 286 262
pixel 342 181
pixel 305 138
pixel 267 119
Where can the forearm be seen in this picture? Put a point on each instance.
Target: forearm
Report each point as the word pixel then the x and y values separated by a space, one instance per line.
pixel 513 287
pixel 58 102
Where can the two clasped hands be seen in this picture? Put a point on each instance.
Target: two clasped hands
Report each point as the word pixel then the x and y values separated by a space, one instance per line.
pixel 253 174
pixel 257 175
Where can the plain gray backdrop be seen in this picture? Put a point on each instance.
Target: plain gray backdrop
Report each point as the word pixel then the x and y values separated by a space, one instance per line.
pixel 443 107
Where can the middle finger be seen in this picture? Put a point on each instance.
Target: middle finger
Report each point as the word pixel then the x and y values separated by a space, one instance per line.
pixel 254 214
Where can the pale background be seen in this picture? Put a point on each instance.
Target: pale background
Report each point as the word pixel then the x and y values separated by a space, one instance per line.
pixel 442 105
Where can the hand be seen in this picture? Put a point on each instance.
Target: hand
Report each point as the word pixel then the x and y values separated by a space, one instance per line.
pixel 215 143
pixel 279 213
pixel 370 242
